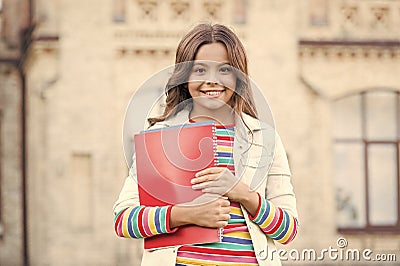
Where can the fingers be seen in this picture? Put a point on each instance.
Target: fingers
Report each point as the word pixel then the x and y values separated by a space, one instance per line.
pixel 214 190
pixel 202 185
pixel 215 214
pixel 211 170
pixel 221 224
pixel 226 203
pixel 223 216
pixel 204 178
pixel 213 185
pixel 206 198
pixel 201 200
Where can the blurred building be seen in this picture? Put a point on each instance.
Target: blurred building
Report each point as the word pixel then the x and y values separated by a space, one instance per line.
pixel 15 21
pixel 329 69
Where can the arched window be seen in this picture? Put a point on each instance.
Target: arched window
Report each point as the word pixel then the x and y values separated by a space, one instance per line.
pixel 366 161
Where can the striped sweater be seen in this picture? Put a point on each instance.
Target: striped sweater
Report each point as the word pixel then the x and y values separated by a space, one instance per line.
pixel 236 247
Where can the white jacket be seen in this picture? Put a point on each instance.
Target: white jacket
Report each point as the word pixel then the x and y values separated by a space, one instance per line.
pixel 255 163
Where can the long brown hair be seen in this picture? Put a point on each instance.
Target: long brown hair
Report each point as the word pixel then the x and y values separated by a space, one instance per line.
pixel 177 90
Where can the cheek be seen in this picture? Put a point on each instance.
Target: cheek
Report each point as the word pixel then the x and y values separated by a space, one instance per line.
pixel 193 88
pixel 229 94
pixel 229 82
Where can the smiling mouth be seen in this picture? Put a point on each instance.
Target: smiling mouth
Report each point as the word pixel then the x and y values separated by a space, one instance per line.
pixel 212 92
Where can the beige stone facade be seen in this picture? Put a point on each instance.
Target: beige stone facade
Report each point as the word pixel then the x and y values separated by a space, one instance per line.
pixel 12 146
pixel 63 102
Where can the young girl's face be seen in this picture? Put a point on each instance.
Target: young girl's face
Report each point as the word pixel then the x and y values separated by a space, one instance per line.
pixel 212 80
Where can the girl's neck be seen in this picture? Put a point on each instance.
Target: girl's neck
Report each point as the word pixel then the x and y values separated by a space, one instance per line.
pixel 221 116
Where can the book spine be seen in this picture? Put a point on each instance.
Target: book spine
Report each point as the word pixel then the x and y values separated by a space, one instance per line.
pixel 214 134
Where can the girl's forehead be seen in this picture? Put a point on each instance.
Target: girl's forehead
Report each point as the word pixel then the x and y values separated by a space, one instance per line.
pixel 213 52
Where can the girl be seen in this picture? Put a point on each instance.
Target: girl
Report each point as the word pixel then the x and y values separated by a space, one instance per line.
pixel 252 217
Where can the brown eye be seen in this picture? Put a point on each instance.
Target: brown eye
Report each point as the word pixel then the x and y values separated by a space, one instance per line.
pixel 225 69
pixel 199 70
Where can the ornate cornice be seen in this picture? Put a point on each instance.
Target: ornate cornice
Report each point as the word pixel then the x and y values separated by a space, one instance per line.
pixel 350 49
pixel 155 27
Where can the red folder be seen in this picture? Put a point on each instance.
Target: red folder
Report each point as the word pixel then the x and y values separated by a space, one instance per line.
pixel 166 160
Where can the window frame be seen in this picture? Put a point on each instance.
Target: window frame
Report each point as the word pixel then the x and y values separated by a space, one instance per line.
pixel 370 228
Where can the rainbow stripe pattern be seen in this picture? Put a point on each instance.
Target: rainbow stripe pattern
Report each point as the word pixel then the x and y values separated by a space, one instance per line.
pixel 141 221
pixel 275 222
pixel 236 247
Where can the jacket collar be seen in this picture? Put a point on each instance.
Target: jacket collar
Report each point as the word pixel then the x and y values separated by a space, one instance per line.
pixel 182 117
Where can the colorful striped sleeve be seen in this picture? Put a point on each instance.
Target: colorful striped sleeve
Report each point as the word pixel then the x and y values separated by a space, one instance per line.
pixel 142 221
pixel 275 222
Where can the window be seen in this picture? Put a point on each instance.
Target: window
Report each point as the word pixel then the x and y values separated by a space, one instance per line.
pixel 366 161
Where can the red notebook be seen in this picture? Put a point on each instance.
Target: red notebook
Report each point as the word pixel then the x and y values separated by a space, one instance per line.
pixel 166 160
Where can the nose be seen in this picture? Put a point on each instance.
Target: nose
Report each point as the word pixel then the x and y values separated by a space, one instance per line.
pixel 211 78
pixel 211 83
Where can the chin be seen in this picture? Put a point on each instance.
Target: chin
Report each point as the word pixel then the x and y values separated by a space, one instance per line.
pixel 213 104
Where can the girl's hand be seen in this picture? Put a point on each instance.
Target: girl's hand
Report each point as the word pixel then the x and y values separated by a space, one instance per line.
pixel 208 210
pixel 220 180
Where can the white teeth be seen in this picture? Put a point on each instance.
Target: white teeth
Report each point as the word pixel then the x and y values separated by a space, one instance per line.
pixel 213 93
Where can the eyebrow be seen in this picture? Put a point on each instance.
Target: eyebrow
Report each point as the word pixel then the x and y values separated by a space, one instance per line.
pixel 204 64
